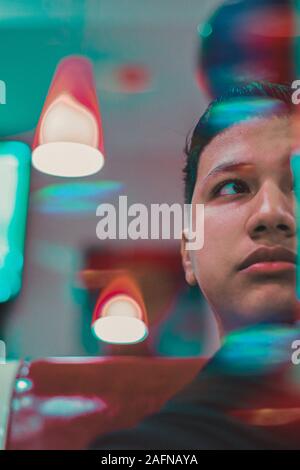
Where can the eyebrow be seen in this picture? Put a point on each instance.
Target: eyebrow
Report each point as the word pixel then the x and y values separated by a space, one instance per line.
pixel 225 167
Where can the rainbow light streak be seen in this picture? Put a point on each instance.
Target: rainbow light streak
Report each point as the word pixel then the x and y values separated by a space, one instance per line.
pixel 237 110
pixel 72 198
pixel 70 407
pixel 14 190
pixel 257 349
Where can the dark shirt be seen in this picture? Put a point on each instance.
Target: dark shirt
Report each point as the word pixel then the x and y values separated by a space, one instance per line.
pixel 246 397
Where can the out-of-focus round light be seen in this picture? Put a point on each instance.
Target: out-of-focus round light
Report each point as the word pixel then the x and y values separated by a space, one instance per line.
pixel 67 159
pixel 120 322
pixel 23 385
pixel 120 314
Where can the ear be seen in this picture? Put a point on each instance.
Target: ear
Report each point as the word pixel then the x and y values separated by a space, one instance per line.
pixel 186 262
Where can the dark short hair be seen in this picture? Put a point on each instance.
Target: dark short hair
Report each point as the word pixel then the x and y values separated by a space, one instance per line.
pixel 241 103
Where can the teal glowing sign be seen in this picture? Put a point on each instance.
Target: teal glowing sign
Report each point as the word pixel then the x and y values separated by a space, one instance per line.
pixel 15 161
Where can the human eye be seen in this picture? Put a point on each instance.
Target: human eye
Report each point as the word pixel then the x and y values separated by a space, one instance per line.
pixel 230 187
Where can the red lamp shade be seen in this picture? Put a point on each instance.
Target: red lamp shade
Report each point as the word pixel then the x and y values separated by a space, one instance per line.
pixel 120 314
pixel 69 139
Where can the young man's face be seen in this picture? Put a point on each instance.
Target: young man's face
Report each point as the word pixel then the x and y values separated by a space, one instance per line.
pixel 253 210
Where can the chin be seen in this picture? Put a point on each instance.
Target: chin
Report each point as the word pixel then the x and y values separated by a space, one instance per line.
pixel 279 309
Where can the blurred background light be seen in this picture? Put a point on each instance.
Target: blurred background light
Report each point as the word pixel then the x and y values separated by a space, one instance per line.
pixel 14 191
pixel 117 77
pixel 120 314
pixel 23 385
pixel 246 41
pixel 64 406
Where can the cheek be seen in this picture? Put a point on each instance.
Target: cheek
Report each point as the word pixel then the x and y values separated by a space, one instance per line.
pixel 224 225
pixel 222 236
pixel 221 228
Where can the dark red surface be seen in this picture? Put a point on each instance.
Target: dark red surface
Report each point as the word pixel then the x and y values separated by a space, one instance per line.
pixel 107 394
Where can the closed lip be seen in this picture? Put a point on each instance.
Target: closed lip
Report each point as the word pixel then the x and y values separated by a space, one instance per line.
pixel 264 254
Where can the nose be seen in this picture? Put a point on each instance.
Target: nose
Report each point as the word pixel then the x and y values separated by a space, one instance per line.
pixel 272 216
